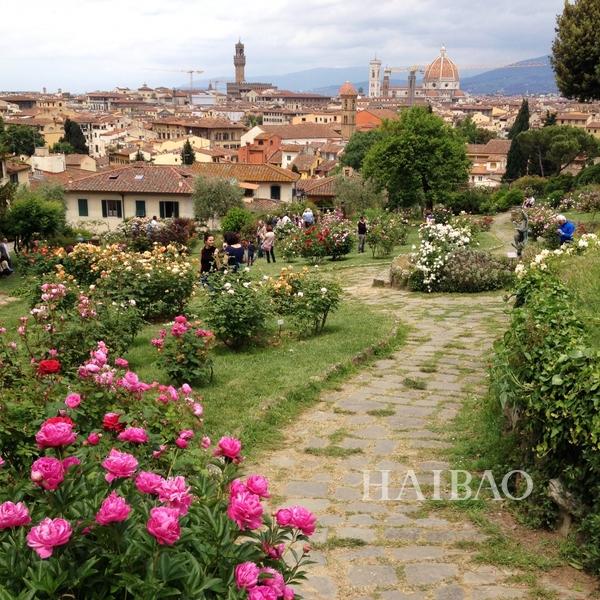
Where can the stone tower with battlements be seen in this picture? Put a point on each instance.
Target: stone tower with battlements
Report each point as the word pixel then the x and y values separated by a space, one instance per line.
pixel 239 61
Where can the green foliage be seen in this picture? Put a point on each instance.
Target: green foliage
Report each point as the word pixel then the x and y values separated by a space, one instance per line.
pixel 549 119
pixel 184 352
pixel 62 148
pixel 188 156
pixel 7 193
pixel 576 50
pixel 238 220
pixel 306 297
pixel 354 195
pixel 418 161
pixel 470 200
pixel 214 196
pixel 19 139
pixel 473 134
pixel 358 146
pixel 516 162
pixel 506 198
pixel 521 123
pixel 530 185
pixel 30 217
pixel 590 174
pixel 236 308
pixel 552 149
pixel 74 137
pixel 384 232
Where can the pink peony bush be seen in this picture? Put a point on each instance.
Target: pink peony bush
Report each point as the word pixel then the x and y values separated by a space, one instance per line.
pixel 117 492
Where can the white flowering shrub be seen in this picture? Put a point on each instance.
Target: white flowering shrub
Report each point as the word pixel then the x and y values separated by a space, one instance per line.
pixel 437 242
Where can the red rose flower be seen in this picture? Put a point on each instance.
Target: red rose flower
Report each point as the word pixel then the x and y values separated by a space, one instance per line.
pixel 110 422
pixel 48 367
pixel 66 420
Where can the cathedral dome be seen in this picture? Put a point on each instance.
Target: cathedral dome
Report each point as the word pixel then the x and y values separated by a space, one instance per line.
pixel 348 89
pixel 441 69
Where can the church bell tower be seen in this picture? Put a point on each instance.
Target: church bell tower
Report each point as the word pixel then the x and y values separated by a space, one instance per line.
pixel 239 61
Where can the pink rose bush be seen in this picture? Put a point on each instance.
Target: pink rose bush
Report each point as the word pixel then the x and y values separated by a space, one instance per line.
pixel 118 483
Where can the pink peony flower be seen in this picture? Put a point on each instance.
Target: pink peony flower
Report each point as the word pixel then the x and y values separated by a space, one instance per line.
pixel 246 510
pixel 121 363
pixel 181 443
pixel 230 448
pixel 237 486
pixel 48 472
pixel 274 579
pixel 13 515
pixel 288 593
pixel 274 552
pixel 157 342
pixel 297 517
pixel 163 525
pixel 2 462
pixel 55 435
pixel 94 439
pixel 246 575
pixel 148 482
pixel 197 409
pixel 262 592
pixel 131 382
pixel 258 485
pixel 113 509
pixel 176 493
pixel 48 534
pixel 186 434
pixel 73 400
pixel 186 390
pixel 158 453
pixel 119 465
pixel 70 461
pixel 205 443
pixel 135 435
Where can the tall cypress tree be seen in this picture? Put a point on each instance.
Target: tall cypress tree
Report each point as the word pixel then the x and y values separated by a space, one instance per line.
pixel 188 156
pixel 516 161
pixel 74 136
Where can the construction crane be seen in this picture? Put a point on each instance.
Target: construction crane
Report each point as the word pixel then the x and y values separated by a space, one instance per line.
pixel 190 72
pixel 412 74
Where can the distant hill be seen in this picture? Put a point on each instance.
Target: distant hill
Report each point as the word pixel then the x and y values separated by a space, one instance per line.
pixel 513 81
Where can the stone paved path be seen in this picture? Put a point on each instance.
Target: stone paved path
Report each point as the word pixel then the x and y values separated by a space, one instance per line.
pixel 383 420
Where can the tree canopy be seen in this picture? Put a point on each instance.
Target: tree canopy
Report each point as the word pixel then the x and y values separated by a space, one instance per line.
pixel 19 139
pixel 576 50
pixel 74 137
pixel 473 134
pixel 516 161
pixel 355 194
pixel 357 147
pixel 188 157
pixel 418 160
pixel 214 196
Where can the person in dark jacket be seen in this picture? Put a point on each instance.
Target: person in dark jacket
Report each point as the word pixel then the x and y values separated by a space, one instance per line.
pixel 362 233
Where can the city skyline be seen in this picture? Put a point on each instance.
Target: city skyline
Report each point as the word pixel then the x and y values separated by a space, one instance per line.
pixel 88 45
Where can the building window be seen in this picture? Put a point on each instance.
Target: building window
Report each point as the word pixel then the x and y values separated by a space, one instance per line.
pixel 140 208
pixel 112 208
pixel 275 192
pixel 248 193
pixel 169 210
pixel 14 178
pixel 82 204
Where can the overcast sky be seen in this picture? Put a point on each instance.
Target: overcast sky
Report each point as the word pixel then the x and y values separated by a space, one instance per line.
pixel 98 44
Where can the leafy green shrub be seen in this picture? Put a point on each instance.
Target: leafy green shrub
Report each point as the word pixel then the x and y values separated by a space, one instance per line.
pixel 562 183
pixel 238 220
pixel 471 200
pixel 470 270
pixel 588 175
pixel 307 297
pixel 184 351
pixel 441 214
pixel 236 308
pixel 505 199
pixel 384 232
pixel 530 185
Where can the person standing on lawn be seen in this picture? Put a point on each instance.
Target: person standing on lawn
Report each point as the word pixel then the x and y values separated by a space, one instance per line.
pixel 362 233
pixel 209 257
pixel 234 250
pixel 269 244
pixel 308 217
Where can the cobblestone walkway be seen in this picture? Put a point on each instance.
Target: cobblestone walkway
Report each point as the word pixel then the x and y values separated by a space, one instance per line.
pixel 393 416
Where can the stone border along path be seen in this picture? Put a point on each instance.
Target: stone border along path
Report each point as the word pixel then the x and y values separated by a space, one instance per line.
pixel 379 420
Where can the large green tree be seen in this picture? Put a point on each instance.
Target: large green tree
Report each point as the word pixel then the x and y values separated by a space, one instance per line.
pixel 516 161
pixel 550 150
pixel 74 136
pixel 188 157
pixel 19 139
pixel 214 196
pixel 576 50
pixel 473 134
pixel 357 147
pixel 355 194
pixel 419 160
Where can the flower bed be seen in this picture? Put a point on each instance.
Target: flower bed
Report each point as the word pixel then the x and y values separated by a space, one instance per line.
pixel 385 231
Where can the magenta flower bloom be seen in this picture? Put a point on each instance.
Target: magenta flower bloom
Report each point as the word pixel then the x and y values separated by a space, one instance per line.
pixel 70 461
pixel 181 443
pixel 186 390
pixel 48 472
pixel 176 493
pixel 13 515
pixel 121 363
pixel 94 439
pixel 48 534
pixel 135 435
pixel 205 443
pixel 73 400
pixel 148 482
pixel 274 579
pixel 131 382
pixel 262 592
pixel 288 593
pixel 246 510
pixel 230 448
pixel 246 575
pixel 55 435
pixel 275 552
pixel 297 517
pixel 197 409
pixel 119 465
pixel 163 525
pixel 258 485
pixel 113 509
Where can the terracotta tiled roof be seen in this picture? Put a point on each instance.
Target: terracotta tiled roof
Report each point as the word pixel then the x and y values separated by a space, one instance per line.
pixel 202 123
pixel 140 178
pixel 348 89
pixel 325 186
pixel 245 172
pixel 500 147
pixel 327 166
pixel 331 148
pixel 383 113
pixel 441 68
pixel 15 167
pixel 303 131
pixel 63 178
pixel 304 162
pixel 262 205
pixel 292 147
